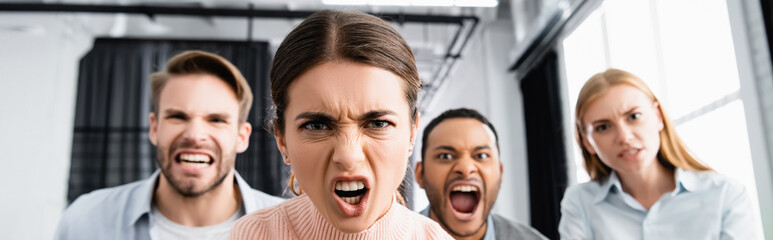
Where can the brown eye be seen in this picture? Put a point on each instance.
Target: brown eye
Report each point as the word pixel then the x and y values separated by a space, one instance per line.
pixel 601 128
pixel 635 116
pixel 314 126
pixel 379 124
pixel 482 156
pixel 444 156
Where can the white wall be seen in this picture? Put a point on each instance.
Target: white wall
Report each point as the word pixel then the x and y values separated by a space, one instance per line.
pixel 480 80
pixel 37 89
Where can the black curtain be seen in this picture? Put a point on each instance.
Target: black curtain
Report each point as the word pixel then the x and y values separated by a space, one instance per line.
pixel 110 140
pixel 767 15
pixel 545 143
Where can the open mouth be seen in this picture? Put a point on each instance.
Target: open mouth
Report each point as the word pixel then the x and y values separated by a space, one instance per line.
pixel 195 160
pixel 629 153
pixel 351 191
pixel 464 199
pixel 351 195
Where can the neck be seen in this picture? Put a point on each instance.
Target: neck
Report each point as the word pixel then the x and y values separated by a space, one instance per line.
pixel 210 208
pixel 649 184
pixel 475 236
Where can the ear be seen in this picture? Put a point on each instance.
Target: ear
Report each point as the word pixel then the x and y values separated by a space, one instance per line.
pixel 153 129
pixel 501 168
pixel 414 130
pixel 656 107
pixel 419 173
pixel 587 144
pixel 281 144
pixel 245 129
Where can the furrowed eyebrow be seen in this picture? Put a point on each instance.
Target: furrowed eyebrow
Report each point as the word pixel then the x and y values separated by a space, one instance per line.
pixel 376 114
pixel 314 116
pixel 478 148
pixel 219 115
pixel 449 148
pixel 172 111
pixel 629 112
pixel 633 109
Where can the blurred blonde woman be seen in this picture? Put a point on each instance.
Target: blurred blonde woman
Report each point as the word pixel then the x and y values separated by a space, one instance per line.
pixel 645 184
pixel 344 86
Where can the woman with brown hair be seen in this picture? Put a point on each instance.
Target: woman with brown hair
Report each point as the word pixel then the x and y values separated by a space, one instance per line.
pixel 645 184
pixel 344 87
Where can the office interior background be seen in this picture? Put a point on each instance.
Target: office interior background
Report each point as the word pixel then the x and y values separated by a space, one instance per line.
pixel 75 119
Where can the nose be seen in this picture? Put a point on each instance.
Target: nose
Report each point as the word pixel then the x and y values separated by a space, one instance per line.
pixel 195 132
pixel 624 134
pixel 348 151
pixel 465 167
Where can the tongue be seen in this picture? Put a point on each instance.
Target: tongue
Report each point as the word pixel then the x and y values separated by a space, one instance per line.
pixel 463 202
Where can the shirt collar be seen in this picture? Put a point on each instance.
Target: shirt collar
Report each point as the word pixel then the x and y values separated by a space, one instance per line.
pixel 688 181
pixel 612 183
pixel 141 203
pixel 685 182
pixel 249 202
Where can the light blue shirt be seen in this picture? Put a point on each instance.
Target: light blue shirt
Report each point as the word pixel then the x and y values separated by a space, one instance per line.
pixel 123 212
pixel 704 205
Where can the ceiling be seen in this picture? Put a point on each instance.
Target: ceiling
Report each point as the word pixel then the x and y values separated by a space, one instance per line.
pixel 430 42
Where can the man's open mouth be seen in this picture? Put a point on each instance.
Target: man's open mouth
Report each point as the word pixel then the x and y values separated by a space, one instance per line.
pixel 464 198
pixel 351 191
pixel 195 160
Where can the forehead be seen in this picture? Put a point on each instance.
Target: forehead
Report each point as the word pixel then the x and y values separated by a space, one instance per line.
pixel 347 88
pixel 616 101
pixel 198 93
pixel 461 133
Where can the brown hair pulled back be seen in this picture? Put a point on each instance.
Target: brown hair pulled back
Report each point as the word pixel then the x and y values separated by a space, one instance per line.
pixel 328 36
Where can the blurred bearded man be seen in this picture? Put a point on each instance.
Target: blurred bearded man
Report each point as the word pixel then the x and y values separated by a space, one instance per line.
pixel 198 124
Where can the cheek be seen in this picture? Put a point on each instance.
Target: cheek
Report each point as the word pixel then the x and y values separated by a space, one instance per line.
pixel 168 133
pixel 653 137
pixel 388 159
pixel 604 145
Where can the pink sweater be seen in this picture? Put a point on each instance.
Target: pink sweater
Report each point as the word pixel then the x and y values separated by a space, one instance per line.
pixel 298 219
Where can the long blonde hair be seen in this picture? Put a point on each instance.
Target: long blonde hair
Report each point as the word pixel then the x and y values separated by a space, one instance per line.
pixel 672 153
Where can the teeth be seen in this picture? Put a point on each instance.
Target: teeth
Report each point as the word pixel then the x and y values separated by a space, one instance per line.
pixel 465 188
pixel 632 151
pixel 352 200
pixel 350 185
pixel 193 164
pixel 200 158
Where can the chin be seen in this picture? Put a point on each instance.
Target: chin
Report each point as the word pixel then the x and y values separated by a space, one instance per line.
pixel 353 225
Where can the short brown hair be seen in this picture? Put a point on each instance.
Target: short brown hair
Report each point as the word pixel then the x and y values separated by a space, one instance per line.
pixel 200 62
pixel 672 153
pixel 328 36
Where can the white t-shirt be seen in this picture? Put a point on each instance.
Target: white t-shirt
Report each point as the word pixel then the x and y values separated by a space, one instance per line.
pixel 161 228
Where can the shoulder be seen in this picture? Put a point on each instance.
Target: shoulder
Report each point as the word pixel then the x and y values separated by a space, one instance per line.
pixel 264 200
pixel 103 202
pixel 582 192
pixel 710 181
pixel 266 223
pixel 507 229
pixel 420 226
pixel 107 207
